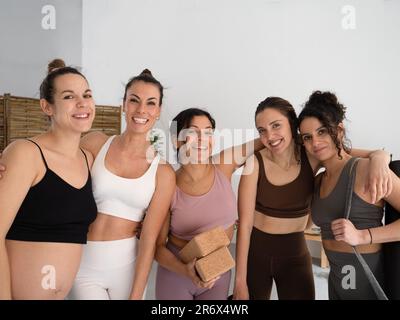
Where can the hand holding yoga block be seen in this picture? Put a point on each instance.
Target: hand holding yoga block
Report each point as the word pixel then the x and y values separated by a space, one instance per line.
pixel 203 244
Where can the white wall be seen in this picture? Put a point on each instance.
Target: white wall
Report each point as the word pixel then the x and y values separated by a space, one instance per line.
pixel 26 47
pixel 228 55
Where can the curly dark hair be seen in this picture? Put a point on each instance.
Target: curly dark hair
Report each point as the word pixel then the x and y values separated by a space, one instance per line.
pixel 330 112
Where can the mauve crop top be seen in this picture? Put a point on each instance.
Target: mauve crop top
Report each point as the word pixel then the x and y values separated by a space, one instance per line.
pixel 291 200
pixel 192 215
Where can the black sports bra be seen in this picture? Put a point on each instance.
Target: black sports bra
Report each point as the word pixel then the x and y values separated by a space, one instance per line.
pixel 55 211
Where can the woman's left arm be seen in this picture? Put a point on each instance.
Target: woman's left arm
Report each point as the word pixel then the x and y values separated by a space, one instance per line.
pixel 155 217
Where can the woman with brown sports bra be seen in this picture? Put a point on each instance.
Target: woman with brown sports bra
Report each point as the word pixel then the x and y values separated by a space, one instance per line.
pixel 275 193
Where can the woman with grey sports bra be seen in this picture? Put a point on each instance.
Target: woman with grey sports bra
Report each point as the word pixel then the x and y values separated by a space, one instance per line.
pixel 363 215
pixel 323 135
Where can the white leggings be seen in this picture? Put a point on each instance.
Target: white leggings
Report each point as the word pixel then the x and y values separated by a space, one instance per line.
pixel 106 270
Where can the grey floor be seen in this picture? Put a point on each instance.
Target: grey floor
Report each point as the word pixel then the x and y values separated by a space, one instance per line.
pixel 320 280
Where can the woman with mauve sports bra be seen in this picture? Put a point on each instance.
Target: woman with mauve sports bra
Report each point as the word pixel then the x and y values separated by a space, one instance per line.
pixel 129 180
pixel 323 134
pixel 274 200
pixel 46 199
pixel 203 199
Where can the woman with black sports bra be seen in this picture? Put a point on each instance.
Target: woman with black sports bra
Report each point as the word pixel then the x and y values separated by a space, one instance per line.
pixel 46 199
pixel 275 193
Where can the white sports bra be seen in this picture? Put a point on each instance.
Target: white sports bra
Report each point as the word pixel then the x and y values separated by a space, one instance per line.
pixel 118 196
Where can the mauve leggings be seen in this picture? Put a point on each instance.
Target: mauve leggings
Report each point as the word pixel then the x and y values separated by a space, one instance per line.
pixel 283 258
pixel 172 286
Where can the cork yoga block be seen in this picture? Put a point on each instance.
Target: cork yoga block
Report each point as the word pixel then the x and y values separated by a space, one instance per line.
pixel 203 244
pixel 214 264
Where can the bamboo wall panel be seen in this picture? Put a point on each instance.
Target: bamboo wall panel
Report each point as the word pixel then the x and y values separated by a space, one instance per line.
pixel 21 118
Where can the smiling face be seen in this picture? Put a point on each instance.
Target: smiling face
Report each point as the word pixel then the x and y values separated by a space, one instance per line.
pixel 196 142
pixel 73 107
pixel 317 140
pixel 274 129
pixel 141 106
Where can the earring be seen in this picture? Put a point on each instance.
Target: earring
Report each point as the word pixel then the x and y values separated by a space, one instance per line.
pixel 158 118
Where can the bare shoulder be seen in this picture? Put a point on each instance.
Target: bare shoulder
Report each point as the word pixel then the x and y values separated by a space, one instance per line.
pixel 89 157
pixel 22 150
pixel 166 172
pixel 252 160
pixel 22 158
pixel 251 166
pixel 93 141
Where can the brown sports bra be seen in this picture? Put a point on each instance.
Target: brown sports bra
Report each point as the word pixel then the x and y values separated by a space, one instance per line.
pixel 291 200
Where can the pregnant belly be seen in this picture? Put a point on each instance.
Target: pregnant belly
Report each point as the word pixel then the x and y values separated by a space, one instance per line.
pixel 42 270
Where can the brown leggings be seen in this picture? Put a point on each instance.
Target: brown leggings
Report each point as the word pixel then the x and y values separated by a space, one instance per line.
pixel 283 258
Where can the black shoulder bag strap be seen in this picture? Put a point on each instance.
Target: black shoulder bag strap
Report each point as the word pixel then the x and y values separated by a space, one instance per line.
pixel 380 294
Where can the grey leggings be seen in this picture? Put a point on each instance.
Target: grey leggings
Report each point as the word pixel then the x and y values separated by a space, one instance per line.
pixel 347 279
pixel 173 286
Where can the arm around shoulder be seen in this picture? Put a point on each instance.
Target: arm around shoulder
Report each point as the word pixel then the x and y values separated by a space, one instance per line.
pixel 234 157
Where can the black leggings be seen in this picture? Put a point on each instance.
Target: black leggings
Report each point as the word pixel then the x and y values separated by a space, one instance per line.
pixel 283 258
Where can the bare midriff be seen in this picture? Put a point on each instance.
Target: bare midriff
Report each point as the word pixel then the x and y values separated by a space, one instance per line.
pixel 340 246
pixel 107 228
pixel 274 225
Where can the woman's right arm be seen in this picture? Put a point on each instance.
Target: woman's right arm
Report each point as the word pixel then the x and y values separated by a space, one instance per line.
pixel 164 256
pixel 246 206
pixel 14 186
pixel 169 261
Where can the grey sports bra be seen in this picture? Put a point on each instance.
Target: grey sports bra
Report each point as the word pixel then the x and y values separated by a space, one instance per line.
pixel 324 210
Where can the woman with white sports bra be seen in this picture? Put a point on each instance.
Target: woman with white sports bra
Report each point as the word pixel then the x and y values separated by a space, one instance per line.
pixel 129 180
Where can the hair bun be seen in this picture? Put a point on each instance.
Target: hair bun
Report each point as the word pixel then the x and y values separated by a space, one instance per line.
pixel 55 64
pixel 146 72
pixel 329 101
pixel 323 97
